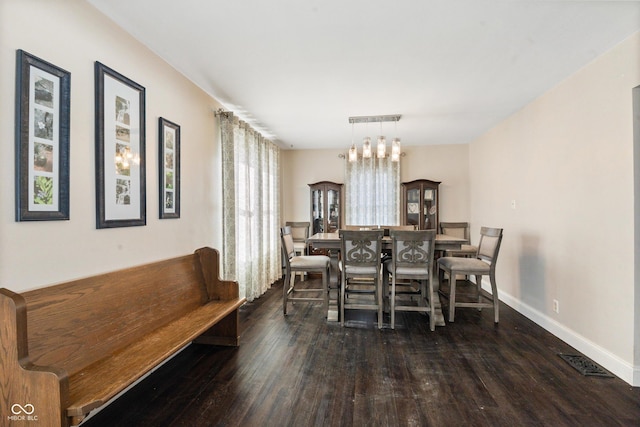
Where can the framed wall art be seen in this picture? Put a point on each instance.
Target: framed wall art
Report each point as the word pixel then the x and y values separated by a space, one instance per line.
pixel 120 150
pixel 169 168
pixel 42 139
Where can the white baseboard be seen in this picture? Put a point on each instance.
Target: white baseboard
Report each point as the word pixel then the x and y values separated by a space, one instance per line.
pixel 609 361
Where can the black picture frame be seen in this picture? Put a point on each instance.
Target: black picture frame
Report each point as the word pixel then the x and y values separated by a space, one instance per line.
pixel 169 168
pixel 120 150
pixel 43 93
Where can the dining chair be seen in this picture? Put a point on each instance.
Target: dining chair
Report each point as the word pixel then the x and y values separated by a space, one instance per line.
pixel 482 264
pixel 360 284
pixel 302 263
pixel 410 267
pixel 386 228
pixel 356 227
pixel 300 234
pixel 461 230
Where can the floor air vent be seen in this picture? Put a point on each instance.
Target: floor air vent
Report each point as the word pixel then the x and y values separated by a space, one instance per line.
pixel 585 366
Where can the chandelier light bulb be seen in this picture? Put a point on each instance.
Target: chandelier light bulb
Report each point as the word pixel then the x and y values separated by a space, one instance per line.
pixel 395 149
pixel 353 153
pixel 382 147
pixel 366 147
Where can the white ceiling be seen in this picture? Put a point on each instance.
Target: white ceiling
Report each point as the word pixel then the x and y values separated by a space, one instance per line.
pixel 298 69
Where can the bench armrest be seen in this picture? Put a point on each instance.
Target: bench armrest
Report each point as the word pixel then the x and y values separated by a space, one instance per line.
pixel 217 289
pixel 46 389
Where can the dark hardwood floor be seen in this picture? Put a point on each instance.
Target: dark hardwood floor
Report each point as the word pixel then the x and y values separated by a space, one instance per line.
pixel 301 370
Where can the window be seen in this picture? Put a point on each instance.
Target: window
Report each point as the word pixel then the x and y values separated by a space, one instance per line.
pixel 372 192
pixel 251 214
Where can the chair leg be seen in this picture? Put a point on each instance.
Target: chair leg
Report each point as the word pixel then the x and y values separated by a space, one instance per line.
pixel 342 292
pixel 479 286
pixel 432 305
pixel 496 302
pixel 452 294
pixel 325 289
pixel 380 302
pixel 385 288
pixel 285 290
pixel 392 302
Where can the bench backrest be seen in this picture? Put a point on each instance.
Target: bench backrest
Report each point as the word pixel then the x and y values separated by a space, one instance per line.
pixel 74 324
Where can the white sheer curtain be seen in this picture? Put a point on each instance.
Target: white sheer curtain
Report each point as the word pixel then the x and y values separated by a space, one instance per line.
pixel 372 191
pixel 251 209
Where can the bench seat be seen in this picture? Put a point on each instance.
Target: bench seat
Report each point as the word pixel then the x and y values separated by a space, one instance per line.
pixel 132 362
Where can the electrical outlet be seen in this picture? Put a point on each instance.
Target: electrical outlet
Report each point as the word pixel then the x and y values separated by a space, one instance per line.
pixel 556 306
pixel 513 204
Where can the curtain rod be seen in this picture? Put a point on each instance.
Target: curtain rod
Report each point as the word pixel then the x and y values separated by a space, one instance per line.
pixel 222 112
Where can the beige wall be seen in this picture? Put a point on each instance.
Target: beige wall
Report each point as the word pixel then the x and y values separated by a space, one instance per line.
pixel 445 163
pixel 303 167
pixel 72 35
pixel 567 161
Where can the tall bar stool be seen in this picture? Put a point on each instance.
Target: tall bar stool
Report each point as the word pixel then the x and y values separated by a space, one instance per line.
pixel 360 285
pixel 484 263
pixel 302 263
pixel 411 263
pixel 300 234
pixel 458 229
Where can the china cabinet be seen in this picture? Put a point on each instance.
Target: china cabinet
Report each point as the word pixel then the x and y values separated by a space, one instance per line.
pixel 326 207
pixel 420 204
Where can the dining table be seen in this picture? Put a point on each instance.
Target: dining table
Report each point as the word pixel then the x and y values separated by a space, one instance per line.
pixel 331 241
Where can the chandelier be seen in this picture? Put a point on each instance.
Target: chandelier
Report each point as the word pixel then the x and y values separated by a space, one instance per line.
pixel 381 149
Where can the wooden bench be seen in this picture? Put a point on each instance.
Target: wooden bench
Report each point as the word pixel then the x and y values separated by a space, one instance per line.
pixel 69 348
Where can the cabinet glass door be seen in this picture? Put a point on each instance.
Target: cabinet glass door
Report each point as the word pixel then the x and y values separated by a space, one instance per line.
pixel 429 209
pixel 318 210
pixel 413 206
pixel 333 201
